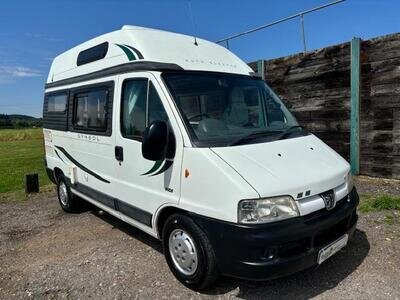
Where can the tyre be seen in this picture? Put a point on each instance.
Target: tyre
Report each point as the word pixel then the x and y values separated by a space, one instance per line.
pixel 68 201
pixel 189 253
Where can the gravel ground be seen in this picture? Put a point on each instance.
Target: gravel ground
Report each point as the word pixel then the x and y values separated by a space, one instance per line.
pixel 45 253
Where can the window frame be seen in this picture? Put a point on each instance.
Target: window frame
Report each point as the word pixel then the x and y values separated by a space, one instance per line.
pixel 55 94
pixel 121 110
pixel 56 120
pixel 109 87
pixel 92 54
pixel 83 94
pixel 190 131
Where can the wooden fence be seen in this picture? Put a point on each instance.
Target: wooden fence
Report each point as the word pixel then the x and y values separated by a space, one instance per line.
pixel 316 86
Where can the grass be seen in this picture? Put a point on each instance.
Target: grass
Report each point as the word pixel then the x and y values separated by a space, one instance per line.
pixel 9 135
pixel 370 203
pixel 390 219
pixel 21 152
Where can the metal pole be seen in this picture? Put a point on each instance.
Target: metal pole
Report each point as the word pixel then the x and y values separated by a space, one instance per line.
pixel 303 35
pixel 261 69
pixel 279 21
pixel 355 106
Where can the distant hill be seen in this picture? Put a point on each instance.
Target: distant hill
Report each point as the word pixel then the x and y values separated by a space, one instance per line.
pixel 19 121
pixel 20 117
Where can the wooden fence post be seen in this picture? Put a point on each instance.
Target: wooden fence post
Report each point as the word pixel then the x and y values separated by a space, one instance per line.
pixel 355 106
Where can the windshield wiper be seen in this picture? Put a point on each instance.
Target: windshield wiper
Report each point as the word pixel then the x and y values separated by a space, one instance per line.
pixel 242 140
pixel 289 131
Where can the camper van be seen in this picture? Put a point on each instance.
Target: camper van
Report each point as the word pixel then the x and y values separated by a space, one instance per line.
pixel 178 137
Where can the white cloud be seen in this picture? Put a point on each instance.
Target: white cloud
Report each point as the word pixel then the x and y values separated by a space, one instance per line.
pixel 9 72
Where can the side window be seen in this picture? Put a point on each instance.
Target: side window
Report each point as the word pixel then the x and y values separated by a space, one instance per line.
pixel 90 109
pixel 155 107
pixel 141 106
pixel 57 103
pixel 133 108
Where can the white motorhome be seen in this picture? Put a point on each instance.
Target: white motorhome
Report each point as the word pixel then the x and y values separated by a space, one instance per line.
pixel 179 138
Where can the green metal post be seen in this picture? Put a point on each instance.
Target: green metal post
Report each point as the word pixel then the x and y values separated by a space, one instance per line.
pixel 355 106
pixel 261 69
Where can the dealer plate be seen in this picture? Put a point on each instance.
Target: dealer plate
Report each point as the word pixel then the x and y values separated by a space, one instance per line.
pixel 332 248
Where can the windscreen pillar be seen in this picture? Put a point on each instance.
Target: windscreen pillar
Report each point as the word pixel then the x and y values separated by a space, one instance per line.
pixel 355 106
pixel 261 68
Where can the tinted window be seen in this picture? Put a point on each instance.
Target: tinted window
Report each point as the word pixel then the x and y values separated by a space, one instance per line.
pixel 133 113
pixel 90 109
pixel 141 105
pixel 57 103
pixel 156 109
pixel 92 54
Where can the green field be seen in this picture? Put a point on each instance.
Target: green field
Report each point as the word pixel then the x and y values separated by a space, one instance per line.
pixel 21 152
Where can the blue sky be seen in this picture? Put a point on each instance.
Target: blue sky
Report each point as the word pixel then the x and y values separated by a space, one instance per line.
pixel 34 32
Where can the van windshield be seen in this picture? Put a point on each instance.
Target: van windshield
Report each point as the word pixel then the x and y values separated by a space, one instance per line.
pixel 227 110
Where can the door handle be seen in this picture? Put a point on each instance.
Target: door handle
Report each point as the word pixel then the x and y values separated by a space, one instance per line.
pixel 119 153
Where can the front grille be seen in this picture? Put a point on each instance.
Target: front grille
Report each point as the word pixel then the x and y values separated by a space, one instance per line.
pixel 324 212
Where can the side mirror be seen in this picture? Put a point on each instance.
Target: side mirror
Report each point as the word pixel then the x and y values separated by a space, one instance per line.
pixel 155 141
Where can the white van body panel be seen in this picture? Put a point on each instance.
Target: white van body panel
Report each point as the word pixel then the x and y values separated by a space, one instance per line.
pixel 133 183
pixel 125 179
pixel 213 188
pixel 287 167
pixel 153 45
pixel 95 152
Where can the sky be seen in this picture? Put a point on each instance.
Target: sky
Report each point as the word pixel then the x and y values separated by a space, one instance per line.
pixel 32 33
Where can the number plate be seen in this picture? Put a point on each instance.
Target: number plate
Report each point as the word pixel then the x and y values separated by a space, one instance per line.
pixel 332 248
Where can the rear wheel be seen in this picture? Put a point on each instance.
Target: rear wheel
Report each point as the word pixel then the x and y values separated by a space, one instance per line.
pixel 189 253
pixel 68 201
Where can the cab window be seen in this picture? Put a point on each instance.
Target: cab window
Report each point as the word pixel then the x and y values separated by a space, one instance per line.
pixel 141 105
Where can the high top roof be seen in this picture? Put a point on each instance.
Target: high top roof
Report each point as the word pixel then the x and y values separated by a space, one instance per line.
pixel 133 44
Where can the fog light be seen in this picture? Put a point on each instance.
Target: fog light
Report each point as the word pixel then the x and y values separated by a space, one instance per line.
pixel 269 254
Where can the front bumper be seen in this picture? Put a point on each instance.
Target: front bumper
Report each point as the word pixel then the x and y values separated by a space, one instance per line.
pixel 267 251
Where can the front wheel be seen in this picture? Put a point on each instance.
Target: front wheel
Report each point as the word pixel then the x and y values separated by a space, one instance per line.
pixel 189 253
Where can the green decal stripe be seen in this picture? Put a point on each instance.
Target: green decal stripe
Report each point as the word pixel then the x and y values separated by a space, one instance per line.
pixel 59 156
pixel 127 52
pixel 137 52
pixel 82 167
pixel 156 165
pixel 166 166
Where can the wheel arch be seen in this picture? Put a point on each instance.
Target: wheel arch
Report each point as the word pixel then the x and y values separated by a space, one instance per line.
pixel 163 214
pixel 57 173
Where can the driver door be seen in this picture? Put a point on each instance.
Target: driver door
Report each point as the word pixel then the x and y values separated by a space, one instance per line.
pixel 143 185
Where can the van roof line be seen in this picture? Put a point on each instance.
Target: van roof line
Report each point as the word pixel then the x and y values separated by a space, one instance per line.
pixel 119 69
pixel 139 44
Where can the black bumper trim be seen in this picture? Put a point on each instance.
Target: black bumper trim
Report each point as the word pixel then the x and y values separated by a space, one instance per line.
pixel 268 251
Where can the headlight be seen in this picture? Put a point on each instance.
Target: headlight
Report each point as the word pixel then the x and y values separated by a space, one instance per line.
pixel 349 181
pixel 267 210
